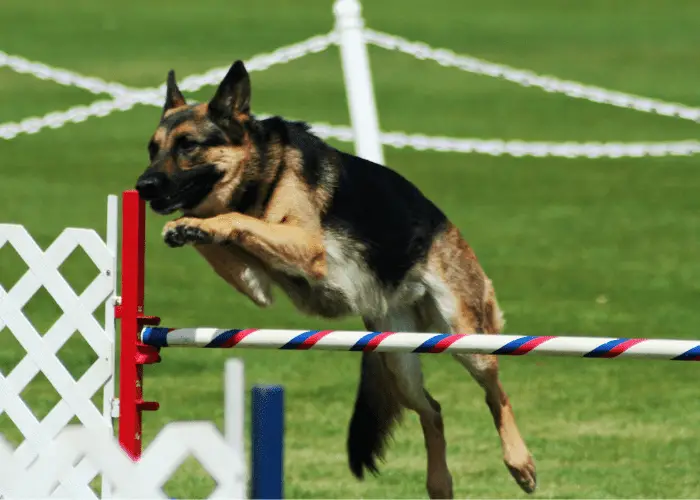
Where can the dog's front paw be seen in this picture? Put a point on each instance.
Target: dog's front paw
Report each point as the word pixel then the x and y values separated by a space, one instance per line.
pixel 176 234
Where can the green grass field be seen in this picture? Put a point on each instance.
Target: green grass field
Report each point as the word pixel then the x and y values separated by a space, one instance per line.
pixel 590 247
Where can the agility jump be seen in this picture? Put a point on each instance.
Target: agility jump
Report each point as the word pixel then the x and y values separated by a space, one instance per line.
pixel 142 339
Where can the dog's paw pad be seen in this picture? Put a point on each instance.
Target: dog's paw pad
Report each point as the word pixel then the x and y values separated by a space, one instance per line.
pixel 178 236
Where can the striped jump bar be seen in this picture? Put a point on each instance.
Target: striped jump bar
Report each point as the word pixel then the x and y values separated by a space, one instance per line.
pixel 338 340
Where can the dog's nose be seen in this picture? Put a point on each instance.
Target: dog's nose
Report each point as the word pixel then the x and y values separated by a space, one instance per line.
pixel 151 186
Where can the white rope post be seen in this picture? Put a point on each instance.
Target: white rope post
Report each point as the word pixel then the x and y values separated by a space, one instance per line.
pixel 358 79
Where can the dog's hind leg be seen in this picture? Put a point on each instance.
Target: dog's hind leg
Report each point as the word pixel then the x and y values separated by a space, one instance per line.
pixel 517 458
pixel 463 301
pixel 403 371
pixel 484 369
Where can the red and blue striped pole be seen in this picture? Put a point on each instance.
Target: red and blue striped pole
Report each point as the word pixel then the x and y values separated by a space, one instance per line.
pixel 512 345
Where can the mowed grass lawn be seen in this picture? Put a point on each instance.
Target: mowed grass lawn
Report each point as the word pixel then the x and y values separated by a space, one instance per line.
pixel 589 247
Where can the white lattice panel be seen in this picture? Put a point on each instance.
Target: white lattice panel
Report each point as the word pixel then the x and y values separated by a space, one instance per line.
pixel 54 475
pixel 76 319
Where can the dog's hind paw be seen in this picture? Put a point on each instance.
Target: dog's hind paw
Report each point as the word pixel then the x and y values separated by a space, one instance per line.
pixel 524 474
pixel 177 235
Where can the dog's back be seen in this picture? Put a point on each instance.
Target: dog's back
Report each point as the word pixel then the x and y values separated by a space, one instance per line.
pixel 388 214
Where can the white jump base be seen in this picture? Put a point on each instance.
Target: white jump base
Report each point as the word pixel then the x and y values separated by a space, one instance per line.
pixel 338 340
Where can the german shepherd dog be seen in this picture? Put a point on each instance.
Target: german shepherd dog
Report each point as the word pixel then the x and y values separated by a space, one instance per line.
pixel 266 202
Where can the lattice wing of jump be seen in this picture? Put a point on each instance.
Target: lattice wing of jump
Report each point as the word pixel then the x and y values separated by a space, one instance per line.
pixel 125 98
pixel 76 319
pixel 54 474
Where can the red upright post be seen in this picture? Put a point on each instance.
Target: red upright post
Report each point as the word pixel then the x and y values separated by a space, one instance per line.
pixel 130 312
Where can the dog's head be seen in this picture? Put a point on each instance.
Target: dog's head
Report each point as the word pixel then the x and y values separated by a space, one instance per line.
pixel 198 154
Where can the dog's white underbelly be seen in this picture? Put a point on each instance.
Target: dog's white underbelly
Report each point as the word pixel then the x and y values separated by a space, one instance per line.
pixel 350 287
pixel 365 294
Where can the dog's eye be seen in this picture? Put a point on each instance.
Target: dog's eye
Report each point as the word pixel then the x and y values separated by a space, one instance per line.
pixel 152 149
pixel 186 145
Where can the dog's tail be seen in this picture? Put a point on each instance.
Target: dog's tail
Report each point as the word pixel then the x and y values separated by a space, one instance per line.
pixel 376 411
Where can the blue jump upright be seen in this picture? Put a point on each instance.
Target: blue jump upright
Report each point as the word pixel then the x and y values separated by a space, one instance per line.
pixel 267 442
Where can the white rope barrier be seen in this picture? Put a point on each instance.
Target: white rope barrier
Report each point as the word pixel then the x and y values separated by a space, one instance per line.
pixel 76 114
pixel 261 62
pixel 498 147
pixel 448 58
pixel 398 140
pixel 62 76
pixel 125 98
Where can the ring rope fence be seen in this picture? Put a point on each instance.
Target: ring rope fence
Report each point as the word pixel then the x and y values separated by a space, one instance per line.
pixel 352 38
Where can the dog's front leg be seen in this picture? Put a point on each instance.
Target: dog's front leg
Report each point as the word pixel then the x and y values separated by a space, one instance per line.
pixel 240 271
pixel 292 249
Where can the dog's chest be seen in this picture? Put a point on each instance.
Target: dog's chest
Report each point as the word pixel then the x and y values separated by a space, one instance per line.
pixel 350 287
pixel 315 299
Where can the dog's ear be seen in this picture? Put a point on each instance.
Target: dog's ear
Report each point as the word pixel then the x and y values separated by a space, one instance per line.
pixel 173 96
pixel 232 98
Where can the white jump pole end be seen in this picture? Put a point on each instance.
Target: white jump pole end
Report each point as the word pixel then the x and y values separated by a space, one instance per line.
pixel 234 405
pixel 358 80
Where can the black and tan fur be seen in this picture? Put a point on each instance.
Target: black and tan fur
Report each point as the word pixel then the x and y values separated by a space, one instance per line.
pixel 266 202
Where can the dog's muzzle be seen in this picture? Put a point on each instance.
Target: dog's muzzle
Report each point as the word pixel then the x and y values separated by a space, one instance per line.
pixel 152 185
